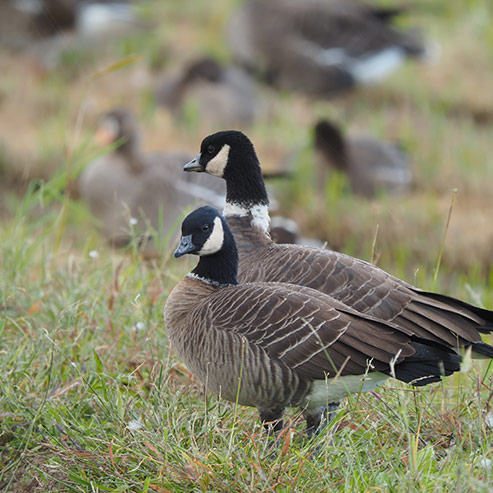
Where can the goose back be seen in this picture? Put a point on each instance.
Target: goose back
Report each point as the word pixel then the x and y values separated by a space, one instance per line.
pixel 377 166
pixel 224 95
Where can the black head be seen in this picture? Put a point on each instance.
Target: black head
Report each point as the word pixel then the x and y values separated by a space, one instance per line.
pixel 230 155
pixel 329 141
pixel 218 152
pixel 119 124
pixel 206 233
pixel 202 232
pixel 206 69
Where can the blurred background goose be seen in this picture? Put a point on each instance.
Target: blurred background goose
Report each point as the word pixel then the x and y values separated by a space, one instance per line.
pixel 371 165
pixel 319 47
pixel 127 189
pixel 25 22
pixel 46 29
pixel 221 94
pixel 362 286
pixel 274 345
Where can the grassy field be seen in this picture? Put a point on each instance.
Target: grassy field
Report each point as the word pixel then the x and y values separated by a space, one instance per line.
pixel 91 396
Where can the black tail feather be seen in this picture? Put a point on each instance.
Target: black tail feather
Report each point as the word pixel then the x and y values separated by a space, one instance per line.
pixel 429 364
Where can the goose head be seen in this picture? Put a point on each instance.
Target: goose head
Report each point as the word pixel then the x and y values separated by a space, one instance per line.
pixel 330 144
pixel 119 126
pixel 231 155
pixel 207 69
pixel 204 232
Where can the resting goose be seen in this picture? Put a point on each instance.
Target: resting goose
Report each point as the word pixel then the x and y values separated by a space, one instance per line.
pixel 360 285
pixel 319 47
pixel 274 345
pixel 223 94
pixel 126 183
pixel 371 165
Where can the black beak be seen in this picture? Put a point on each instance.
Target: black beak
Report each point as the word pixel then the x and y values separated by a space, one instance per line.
pixel 194 165
pixel 185 246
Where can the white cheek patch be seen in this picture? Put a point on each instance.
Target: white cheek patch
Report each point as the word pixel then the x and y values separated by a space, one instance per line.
pixel 215 241
pixel 217 164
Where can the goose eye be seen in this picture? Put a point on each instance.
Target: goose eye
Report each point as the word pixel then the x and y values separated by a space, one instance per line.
pixel 205 228
pixel 211 149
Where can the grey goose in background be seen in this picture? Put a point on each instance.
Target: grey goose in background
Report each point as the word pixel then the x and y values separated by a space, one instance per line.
pixel 127 189
pixel 45 29
pixel 222 94
pixel 358 284
pixel 274 345
pixel 319 47
pixel 371 165
pixel 23 23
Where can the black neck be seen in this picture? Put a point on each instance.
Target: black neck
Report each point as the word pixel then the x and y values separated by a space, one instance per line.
pixel 128 146
pixel 220 267
pixel 330 142
pixel 244 184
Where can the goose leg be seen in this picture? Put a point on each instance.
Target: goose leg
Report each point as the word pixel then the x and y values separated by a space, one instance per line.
pixel 317 419
pixel 272 420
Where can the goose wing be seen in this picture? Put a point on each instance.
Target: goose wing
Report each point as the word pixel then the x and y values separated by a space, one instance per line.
pixel 372 291
pixel 308 331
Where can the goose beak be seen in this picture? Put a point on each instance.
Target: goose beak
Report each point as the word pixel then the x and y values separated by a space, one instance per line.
pixel 194 165
pixel 185 246
pixel 104 137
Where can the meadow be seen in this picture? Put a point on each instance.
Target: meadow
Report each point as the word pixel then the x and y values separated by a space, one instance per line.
pixel 92 397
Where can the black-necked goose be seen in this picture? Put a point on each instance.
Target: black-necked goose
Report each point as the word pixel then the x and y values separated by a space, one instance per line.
pixel 127 189
pixel 371 165
pixel 25 23
pixel 362 286
pixel 317 46
pixel 274 345
pixel 224 95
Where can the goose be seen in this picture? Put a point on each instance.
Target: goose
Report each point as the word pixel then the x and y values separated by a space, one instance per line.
pixel 128 186
pixel 286 230
pixel 274 345
pixel 224 95
pixel 45 29
pixel 371 165
pixel 23 23
pixel 433 317
pixel 319 47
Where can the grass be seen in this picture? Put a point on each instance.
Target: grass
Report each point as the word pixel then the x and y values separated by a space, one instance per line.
pixel 91 396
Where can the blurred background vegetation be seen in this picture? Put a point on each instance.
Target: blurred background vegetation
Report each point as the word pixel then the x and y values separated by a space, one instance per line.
pixel 440 111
